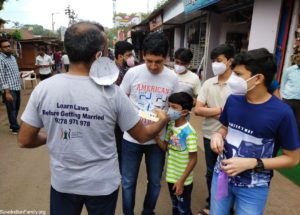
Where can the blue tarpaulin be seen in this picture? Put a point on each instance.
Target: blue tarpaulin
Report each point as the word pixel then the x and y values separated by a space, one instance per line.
pixel 193 5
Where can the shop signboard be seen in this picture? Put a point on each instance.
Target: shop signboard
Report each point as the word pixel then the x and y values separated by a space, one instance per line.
pixel 156 22
pixel 126 21
pixel 194 5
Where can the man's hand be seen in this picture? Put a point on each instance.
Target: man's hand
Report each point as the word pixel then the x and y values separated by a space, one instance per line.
pixel 217 143
pixel 235 165
pixel 178 187
pixel 9 97
pixel 161 114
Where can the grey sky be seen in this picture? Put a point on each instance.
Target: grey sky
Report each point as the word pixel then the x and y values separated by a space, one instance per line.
pixel 39 11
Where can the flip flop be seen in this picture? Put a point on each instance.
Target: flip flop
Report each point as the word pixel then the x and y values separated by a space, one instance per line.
pixel 202 212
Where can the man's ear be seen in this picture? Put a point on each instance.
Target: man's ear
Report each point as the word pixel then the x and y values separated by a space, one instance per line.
pixel 260 79
pixel 185 112
pixel 230 61
pixel 98 54
pixel 120 56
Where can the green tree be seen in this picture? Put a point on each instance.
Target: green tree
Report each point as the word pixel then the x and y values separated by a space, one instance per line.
pixel 1 4
pixel 111 34
pixel 16 34
pixel 40 30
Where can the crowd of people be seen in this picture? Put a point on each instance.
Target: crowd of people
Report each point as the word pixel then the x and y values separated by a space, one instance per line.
pixel 103 116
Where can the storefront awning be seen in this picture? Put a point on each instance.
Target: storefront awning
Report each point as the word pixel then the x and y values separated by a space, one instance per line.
pixel 194 5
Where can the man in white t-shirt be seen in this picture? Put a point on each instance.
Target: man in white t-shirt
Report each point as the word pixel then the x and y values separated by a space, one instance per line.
pixel 44 63
pixel 148 86
pixel 79 117
pixel 65 61
pixel 188 81
pixel 210 102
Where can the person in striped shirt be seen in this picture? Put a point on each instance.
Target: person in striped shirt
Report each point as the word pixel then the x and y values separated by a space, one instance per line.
pixel 181 144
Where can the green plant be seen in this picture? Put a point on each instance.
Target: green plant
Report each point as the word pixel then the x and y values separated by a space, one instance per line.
pixel 16 34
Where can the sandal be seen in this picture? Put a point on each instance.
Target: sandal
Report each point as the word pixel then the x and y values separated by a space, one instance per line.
pixel 203 212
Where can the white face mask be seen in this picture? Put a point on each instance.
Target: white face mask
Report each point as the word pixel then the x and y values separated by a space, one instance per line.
pixel 179 69
pixel 238 85
pixel 218 68
pixel 104 71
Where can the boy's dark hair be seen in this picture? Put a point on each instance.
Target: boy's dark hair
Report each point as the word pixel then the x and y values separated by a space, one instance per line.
pixel 183 54
pixel 83 40
pixel 121 47
pixel 183 99
pixel 3 40
pixel 223 49
pixel 258 61
pixel 156 44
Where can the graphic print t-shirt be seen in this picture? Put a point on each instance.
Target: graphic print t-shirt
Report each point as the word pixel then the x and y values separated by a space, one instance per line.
pixel 181 141
pixel 257 131
pixel 148 91
pixel 79 117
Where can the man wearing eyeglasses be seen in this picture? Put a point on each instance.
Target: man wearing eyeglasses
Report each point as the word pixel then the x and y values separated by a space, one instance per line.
pixel 11 84
pixel 148 86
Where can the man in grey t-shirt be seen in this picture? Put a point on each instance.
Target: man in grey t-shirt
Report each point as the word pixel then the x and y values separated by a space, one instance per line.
pixel 79 117
pixel 148 86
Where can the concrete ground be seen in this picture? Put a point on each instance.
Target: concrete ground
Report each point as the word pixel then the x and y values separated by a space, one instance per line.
pixel 25 179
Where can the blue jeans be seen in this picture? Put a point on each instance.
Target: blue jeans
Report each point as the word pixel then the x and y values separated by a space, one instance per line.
pixel 13 109
pixel 71 204
pixel 181 205
pixel 210 159
pixel 247 201
pixel 132 154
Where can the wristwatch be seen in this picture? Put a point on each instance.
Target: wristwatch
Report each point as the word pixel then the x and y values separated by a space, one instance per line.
pixel 260 167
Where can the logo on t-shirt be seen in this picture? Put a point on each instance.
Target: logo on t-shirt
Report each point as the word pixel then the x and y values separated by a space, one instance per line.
pixel 68 134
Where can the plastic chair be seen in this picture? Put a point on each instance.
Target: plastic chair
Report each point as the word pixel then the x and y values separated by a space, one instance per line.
pixel 29 76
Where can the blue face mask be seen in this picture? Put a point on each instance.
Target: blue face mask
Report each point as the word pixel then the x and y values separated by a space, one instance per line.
pixel 174 114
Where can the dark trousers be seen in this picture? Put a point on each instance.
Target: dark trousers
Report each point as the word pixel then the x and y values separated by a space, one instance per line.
pixel 13 109
pixel 181 205
pixel 119 139
pixel 295 105
pixel 210 159
pixel 132 154
pixel 71 204
pixel 66 67
pixel 43 77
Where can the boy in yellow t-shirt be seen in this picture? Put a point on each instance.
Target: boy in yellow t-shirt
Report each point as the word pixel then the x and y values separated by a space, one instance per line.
pixel 181 144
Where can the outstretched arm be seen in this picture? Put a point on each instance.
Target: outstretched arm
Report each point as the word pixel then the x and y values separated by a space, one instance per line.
pixel 30 137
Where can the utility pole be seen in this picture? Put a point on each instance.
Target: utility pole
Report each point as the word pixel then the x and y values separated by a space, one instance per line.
pixel 148 10
pixel 52 14
pixel 114 12
pixel 71 15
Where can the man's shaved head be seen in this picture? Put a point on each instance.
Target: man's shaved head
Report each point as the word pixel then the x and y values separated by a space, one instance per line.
pixel 83 40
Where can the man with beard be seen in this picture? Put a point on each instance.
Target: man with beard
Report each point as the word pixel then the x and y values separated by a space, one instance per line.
pixel 124 60
pixel 11 84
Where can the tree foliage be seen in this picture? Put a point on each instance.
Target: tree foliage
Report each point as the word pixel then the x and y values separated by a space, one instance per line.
pixel 1 4
pixel 16 34
pixel 39 30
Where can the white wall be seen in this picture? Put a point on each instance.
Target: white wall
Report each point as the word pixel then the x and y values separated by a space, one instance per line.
pixel 212 39
pixel 177 38
pixel 173 10
pixel 265 24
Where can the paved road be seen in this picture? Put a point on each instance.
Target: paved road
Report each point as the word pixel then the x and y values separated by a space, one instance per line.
pixel 25 179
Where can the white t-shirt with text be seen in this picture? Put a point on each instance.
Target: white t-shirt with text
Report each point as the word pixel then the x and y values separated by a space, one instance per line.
pixel 79 117
pixel 148 91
